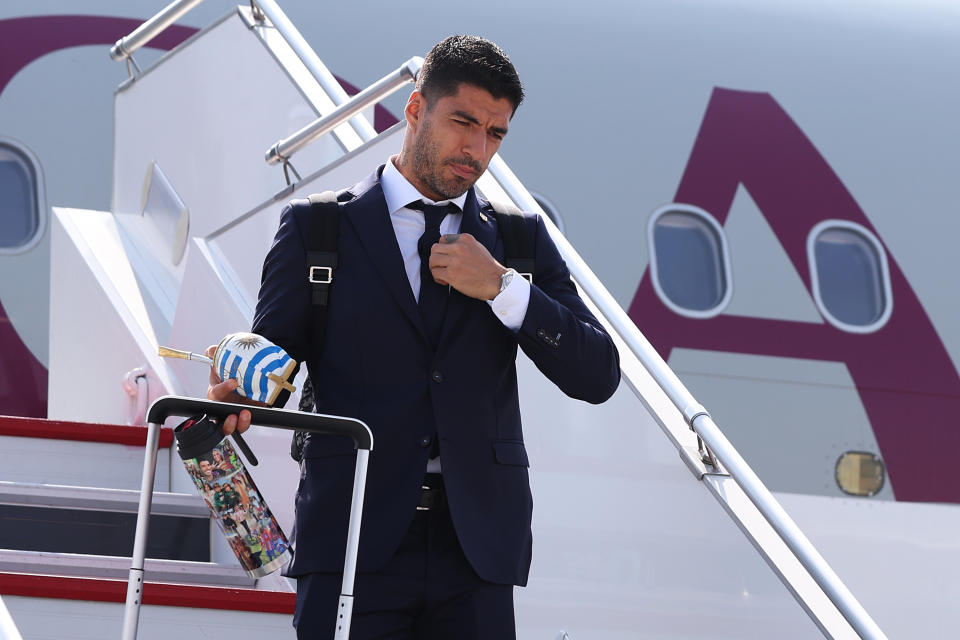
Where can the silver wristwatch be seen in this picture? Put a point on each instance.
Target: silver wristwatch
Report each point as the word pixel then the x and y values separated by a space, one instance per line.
pixel 506 278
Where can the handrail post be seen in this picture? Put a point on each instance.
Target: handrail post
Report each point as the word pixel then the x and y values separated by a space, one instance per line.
pixel 147 31
pixel 313 63
pixel 281 151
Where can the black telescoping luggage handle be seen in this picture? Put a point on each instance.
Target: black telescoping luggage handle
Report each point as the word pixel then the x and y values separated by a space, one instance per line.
pixel 166 406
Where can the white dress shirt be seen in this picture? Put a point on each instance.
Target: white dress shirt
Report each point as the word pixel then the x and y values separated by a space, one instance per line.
pixel 510 305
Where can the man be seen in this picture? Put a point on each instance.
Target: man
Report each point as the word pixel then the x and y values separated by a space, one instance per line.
pixel 209 471
pixel 424 354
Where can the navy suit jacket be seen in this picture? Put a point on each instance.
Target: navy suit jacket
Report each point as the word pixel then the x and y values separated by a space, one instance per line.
pixel 378 365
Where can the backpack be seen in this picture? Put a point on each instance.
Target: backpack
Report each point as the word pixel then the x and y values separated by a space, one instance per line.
pixel 519 248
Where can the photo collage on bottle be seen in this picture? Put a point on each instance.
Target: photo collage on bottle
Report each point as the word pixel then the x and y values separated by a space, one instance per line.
pixel 243 517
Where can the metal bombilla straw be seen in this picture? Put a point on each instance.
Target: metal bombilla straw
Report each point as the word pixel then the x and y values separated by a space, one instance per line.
pixel 167 352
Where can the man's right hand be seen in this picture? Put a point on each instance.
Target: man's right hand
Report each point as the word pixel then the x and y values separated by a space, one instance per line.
pixel 225 392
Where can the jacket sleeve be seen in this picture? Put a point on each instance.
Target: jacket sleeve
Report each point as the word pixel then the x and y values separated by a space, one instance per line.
pixel 560 335
pixel 283 310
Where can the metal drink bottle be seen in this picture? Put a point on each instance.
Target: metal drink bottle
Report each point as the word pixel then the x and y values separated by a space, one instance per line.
pixel 220 476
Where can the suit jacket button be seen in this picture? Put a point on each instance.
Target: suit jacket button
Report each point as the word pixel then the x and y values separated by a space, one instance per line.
pixel 436 376
pixel 426 441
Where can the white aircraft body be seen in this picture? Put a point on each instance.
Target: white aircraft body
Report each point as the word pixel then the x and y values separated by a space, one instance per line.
pixel 768 189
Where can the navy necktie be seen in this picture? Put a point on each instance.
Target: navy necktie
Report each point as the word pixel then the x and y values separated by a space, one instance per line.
pixel 433 296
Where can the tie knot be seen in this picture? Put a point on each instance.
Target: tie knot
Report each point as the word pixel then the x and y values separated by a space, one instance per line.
pixel 433 214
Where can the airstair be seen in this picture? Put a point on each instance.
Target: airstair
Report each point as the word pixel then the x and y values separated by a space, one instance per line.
pixel 210 142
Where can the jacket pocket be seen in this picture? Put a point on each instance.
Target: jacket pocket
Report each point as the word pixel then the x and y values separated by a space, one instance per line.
pixel 510 452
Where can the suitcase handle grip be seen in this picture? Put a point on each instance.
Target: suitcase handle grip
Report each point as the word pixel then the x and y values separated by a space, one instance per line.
pixel 166 406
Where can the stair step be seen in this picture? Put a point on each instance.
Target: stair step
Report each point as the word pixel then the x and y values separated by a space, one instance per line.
pixel 100 499
pixel 80 431
pixel 118 568
pixel 102 522
pixel 76 453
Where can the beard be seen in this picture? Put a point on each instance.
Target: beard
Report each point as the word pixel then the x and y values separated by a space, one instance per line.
pixel 428 166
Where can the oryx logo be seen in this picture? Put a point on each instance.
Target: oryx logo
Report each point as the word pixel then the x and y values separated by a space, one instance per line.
pixel 904 376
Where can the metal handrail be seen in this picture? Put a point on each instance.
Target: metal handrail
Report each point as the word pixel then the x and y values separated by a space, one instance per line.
pixel 313 63
pixel 697 417
pixel 124 48
pixel 281 151
pixel 147 31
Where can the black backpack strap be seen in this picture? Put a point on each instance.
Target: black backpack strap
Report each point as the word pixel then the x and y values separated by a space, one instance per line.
pixel 519 233
pixel 322 260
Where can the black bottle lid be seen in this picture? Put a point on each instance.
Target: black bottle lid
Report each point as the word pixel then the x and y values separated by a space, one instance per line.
pixel 196 436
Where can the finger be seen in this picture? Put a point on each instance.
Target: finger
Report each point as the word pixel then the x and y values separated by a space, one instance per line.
pixel 222 391
pixel 243 421
pixel 439 275
pixel 439 260
pixel 450 238
pixel 229 425
pixel 214 378
pixel 442 248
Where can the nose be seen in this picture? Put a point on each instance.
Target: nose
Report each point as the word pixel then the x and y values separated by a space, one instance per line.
pixel 475 143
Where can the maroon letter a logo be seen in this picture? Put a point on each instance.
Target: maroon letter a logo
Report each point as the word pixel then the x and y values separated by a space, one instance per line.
pixel 905 378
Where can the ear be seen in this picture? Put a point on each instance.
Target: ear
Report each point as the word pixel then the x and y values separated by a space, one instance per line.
pixel 416 107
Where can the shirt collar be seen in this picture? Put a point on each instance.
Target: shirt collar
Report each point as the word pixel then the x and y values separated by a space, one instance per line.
pixel 398 192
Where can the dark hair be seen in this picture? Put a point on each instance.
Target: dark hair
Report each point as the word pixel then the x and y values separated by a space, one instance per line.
pixel 472 60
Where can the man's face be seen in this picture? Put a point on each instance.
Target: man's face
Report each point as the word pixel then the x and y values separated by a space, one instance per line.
pixel 206 468
pixel 453 139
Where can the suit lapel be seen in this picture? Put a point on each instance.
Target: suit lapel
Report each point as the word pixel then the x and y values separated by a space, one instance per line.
pixel 484 229
pixel 368 215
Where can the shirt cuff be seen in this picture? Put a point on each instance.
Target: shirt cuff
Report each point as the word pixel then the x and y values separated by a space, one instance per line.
pixel 510 305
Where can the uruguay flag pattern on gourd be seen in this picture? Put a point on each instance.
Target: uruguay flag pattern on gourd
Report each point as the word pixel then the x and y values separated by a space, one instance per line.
pixel 261 367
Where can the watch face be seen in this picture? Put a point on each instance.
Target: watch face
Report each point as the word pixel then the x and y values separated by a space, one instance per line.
pixel 506 278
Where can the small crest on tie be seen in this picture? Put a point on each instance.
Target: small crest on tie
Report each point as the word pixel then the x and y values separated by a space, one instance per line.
pixel 484 217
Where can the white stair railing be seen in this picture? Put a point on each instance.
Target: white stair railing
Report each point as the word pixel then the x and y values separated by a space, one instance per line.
pixel 716 455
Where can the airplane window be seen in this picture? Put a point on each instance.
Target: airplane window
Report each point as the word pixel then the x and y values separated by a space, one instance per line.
pixel 19 210
pixel 860 473
pixel 689 262
pixel 850 278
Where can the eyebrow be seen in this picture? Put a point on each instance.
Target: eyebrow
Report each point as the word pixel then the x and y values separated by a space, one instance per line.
pixel 469 118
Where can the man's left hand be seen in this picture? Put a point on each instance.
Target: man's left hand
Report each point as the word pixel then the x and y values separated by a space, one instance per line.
pixel 460 261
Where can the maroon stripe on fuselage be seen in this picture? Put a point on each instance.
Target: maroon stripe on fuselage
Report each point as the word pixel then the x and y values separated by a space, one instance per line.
pixel 23 40
pixel 79 431
pixel 23 379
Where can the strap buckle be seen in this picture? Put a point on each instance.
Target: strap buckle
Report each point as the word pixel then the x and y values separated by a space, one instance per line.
pixel 422 507
pixel 312 277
